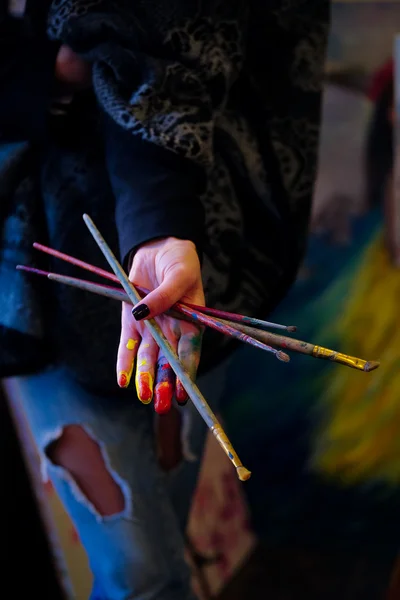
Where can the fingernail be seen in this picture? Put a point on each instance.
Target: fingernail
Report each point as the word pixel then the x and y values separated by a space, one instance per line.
pixel 140 312
pixel 144 387
pixel 181 393
pixel 163 398
pixel 124 378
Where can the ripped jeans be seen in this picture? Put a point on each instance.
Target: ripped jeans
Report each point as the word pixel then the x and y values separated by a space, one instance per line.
pixel 138 552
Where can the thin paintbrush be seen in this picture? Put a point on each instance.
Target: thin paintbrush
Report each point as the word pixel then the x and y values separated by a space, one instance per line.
pixel 76 261
pixel 97 288
pixel 191 388
pixel 223 327
pixel 242 319
pixel 310 349
pixel 227 329
pixel 213 312
pixel 271 338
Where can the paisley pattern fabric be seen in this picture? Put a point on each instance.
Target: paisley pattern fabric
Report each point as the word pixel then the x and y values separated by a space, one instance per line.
pixel 234 86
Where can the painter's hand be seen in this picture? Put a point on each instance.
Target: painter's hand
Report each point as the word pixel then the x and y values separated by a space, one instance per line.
pixel 171 268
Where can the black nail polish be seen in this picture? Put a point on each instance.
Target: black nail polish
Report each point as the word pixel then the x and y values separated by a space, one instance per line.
pixel 140 312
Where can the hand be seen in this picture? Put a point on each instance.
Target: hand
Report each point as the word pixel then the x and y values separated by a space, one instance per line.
pixel 71 70
pixel 171 268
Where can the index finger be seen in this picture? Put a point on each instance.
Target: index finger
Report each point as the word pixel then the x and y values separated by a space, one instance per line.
pixel 128 347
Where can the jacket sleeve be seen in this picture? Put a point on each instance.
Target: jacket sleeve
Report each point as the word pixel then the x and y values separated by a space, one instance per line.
pixel 157 192
pixel 27 63
pixel 160 102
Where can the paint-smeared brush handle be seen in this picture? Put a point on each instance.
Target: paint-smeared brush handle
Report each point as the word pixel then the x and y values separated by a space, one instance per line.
pixel 345 359
pixel 76 261
pixel 88 286
pixel 192 315
pixel 191 388
pixel 213 312
pixel 263 336
pixel 227 329
pixel 309 349
pixel 82 284
pixel 236 318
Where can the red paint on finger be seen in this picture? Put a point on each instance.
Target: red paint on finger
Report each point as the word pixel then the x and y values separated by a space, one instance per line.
pixel 163 397
pixel 123 379
pixel 181 393
pixel 144 387
pixel 164 389
pixel 164 372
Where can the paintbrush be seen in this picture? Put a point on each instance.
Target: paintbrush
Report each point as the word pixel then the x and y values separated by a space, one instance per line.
pixel 191 388
pixel 213 312
pixel 223 327
pixel 226 328
pixel 311 349
pixel 263 336
pixel 241 319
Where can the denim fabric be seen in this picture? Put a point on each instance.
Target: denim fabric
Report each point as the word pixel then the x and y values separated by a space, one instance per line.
pixel 138 553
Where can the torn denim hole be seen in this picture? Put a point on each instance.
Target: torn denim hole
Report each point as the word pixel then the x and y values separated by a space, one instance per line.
pixel 47 465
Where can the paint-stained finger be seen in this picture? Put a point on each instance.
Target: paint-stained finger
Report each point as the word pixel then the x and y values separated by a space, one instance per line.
pixel 165 386
pixel 145 369
pixel 127 350
pixel 189 349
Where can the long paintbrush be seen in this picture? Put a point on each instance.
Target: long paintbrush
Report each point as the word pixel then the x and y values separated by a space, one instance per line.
pixel 223 327
pixel 311 349
pixel 280 341
pixel 213 312
pixel 191 388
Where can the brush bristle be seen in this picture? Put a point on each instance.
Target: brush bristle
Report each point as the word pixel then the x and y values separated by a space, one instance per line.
pixel 371 365
pixel 283 356
pixel 243 473
pixel 32 270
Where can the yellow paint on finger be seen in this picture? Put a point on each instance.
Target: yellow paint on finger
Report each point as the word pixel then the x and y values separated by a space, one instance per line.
pixel 124 378
pixel 130 371
pixel 143 362
pixel 144 386
pixel 130 345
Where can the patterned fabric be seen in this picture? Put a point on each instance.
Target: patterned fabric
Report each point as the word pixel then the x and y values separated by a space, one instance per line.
pixel 231 84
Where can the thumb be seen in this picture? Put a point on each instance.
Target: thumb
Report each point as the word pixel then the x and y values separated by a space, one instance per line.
pixel 162 298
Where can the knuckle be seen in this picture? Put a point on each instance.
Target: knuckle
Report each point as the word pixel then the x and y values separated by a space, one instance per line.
pixel 176 328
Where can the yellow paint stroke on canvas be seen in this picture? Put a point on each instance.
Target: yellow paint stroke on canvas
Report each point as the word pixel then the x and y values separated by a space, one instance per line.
pixel 359 440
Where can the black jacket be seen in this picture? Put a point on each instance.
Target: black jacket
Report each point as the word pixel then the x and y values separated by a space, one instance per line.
pixel 203 124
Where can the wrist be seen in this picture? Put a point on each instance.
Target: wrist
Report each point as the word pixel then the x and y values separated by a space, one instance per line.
pixel 163 241
pixel 158 244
